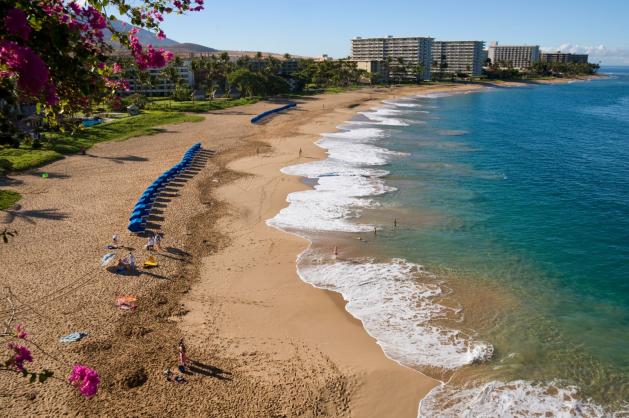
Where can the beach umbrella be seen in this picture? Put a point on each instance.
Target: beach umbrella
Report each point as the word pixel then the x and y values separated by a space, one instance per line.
pixel 107 258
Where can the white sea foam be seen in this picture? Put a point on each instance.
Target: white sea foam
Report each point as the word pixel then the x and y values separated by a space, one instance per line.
pixel 362 134
pixel 334 201
pixel 343 187
pixel 382 116
pixel 435 95
pixel 507 400
pixel 401 103
pixel 356 153
pixel 396 303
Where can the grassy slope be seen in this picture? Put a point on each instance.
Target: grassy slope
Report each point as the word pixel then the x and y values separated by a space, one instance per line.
pixel 8 198
pixel 198 106
pixel 119 130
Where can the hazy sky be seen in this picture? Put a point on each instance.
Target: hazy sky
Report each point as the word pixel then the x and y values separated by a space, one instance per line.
pixel 326 26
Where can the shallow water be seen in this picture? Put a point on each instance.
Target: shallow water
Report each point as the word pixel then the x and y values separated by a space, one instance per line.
pixel 516 203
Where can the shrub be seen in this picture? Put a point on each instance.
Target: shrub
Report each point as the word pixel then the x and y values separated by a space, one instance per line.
pixel 181 93
pixel 136 99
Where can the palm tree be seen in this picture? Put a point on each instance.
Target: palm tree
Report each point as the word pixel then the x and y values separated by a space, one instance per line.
pixel 400 69
pixel 419 72
pixel 273 64
pixel 171 73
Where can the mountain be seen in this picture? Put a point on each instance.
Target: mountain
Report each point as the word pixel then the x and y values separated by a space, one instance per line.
pixel 190 48
pixel 182 49
pixel 145 36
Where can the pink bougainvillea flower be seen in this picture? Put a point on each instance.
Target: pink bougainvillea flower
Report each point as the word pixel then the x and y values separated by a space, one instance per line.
pixel 161 35
pixel 75 8
pixel 21 354
pixel 95 18
pixel 116 68
pixel 52 98
pixel 85 379
pixel 33 75
pixel 16 24
pixel 20 332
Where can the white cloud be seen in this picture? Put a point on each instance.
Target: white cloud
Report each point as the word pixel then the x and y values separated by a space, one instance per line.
pixel 608 56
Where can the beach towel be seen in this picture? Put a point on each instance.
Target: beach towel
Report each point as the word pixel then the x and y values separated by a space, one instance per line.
pixel 127 302
pixel 150 262
pixel 107 258
pixel 73 337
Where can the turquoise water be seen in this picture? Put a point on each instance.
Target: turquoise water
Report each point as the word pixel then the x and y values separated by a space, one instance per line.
pixel 527 192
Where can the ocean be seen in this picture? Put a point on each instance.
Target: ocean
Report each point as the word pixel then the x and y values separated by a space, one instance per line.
pixel 482 238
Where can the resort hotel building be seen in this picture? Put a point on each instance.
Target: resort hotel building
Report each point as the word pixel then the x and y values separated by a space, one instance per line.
pixel 161 85
pixel 458 57
pixel 514 56
pixel 402 56
pixel 563 57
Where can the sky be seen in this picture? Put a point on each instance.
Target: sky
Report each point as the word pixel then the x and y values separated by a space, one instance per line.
pixel 313 28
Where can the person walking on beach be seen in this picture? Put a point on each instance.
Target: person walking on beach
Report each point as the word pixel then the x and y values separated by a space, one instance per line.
pixel 183 358
pixel 395 223
pixel 158 241
pixel 299 152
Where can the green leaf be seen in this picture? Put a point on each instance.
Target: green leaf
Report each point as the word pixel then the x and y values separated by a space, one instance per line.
pixel 33 378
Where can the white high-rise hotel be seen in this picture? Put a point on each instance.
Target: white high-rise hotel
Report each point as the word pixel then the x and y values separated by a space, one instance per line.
pixel 412 52
pixel 458 57
pixel 386 54
pixel 516 56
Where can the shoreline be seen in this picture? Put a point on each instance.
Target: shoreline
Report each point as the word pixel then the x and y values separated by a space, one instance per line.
pixel 380 386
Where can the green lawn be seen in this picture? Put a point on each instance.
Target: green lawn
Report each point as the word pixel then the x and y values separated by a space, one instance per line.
pixel 8 198
pixel 59 144
pixel 198 106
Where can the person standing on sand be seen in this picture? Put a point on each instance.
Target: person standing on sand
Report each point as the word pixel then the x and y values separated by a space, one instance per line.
pixel 299 152
pixel 131 259
pixel 158 241
pixel 183 358
pixel 150 244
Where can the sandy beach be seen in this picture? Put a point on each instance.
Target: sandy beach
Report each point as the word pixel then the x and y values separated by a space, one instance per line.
pixel 262 342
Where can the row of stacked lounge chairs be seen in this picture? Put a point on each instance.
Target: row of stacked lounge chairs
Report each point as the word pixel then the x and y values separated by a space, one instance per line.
pixel 263 115
pixel 137 221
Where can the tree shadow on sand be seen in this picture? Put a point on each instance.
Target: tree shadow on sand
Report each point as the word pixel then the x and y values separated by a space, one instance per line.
pixel 31 216
pixel 121 160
